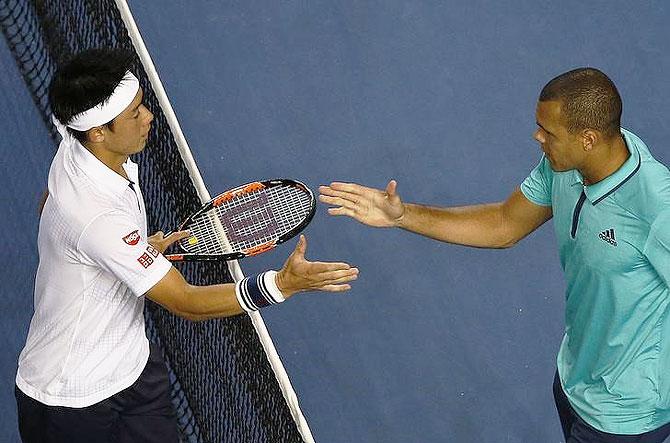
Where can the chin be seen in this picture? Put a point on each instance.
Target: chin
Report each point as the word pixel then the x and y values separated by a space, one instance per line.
pixel 141 147
pixel 561 168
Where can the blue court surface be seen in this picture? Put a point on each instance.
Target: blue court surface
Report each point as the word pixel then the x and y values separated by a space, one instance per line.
pixel 434 343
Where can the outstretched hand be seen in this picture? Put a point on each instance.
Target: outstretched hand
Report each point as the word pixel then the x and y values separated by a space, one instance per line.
pixel 299 275
pixel 162 242
pixel 369 206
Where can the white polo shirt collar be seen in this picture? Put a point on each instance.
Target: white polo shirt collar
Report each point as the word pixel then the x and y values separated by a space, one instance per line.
pixel 101 174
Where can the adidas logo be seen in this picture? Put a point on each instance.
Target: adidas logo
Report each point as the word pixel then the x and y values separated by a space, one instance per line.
pixel 608 236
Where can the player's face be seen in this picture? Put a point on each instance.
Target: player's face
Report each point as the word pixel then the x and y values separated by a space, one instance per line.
pixel 562 149
pixel 130 128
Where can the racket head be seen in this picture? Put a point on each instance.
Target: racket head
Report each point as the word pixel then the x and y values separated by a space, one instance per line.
pixel 254 218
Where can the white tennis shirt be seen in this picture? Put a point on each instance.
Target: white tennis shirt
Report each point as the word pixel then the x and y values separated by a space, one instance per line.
pixel 87 340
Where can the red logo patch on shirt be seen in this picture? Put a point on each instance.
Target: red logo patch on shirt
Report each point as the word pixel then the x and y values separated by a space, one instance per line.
pixel 145 260
pixel 132 238
pixel 153 251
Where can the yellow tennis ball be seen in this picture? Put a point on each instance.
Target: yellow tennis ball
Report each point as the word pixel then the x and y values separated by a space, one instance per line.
pixel 193 240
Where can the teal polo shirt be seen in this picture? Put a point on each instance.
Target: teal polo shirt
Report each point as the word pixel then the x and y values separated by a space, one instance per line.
pixel 614 240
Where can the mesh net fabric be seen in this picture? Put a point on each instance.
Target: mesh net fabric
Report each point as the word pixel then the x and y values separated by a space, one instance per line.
pixel 223 387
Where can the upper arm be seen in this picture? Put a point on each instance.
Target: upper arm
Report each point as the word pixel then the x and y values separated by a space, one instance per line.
pixel 42 202
pixel 537 187
pixel 529 206
pixel 520 216
pixel 115 243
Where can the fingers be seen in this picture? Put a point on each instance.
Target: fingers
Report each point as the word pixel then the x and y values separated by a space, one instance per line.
pixel 351 188
pixel 339 201
pixel 336 281
pixel 300 247
pixel 391 188
pixel 341 211
pixel 341 193
pixel 332 197
pixel 335 288
pixel 174 237
pixel 353 197
pixel 345 202
pixel 350 191
pixel 317 267
pixel 335 277
pixel 161 242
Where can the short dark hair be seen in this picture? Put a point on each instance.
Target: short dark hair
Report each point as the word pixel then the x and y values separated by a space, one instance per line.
pixel 86 80
pixel 589 100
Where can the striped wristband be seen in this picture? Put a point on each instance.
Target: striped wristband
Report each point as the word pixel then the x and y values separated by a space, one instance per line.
pixel 258 291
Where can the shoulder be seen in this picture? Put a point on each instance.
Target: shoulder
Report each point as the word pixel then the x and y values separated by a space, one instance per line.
pixel 75 199
pixel 653 183
pixel 78 207
pixel 648 193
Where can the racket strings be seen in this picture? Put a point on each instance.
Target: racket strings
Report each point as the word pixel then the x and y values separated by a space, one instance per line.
pixel 248 221
pixel 290 206
pixel 204 238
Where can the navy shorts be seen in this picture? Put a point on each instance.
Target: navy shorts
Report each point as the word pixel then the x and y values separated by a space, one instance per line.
pixel 141 413
pixel 577 430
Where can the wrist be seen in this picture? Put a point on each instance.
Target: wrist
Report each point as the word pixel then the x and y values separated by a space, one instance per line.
pixel 399 222
pixel 281 284
pixel 257 291
pixel 271 284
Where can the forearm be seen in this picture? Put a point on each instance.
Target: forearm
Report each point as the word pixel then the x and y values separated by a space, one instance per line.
pixel 480 226
pixel 252 293
pixel 192 302
pixel 207 302
pixel 216 301
pixel 494 225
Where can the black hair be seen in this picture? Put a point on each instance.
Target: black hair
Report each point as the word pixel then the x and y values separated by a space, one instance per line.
pixel 589 100
pixel 86 80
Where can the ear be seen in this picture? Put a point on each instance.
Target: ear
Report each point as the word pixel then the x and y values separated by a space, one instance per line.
pixel 96 135
pixel 589 139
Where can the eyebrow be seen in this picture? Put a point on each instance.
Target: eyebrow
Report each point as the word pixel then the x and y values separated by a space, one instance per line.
pixel 134 109
pixel 140 103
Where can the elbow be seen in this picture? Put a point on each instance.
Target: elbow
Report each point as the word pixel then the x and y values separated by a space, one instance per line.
pixel 176 295
pixel 508 243
pixel 507 239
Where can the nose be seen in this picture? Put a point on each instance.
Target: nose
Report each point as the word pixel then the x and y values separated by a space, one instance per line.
pixel 538 136
pixel 148 116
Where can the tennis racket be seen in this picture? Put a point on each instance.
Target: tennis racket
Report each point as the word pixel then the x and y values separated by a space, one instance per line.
pixel 245 221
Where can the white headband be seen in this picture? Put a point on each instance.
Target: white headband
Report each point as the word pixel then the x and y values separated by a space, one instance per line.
pixel 106 111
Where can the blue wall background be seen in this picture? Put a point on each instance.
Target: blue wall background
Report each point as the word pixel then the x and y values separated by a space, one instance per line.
pixel 435 342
